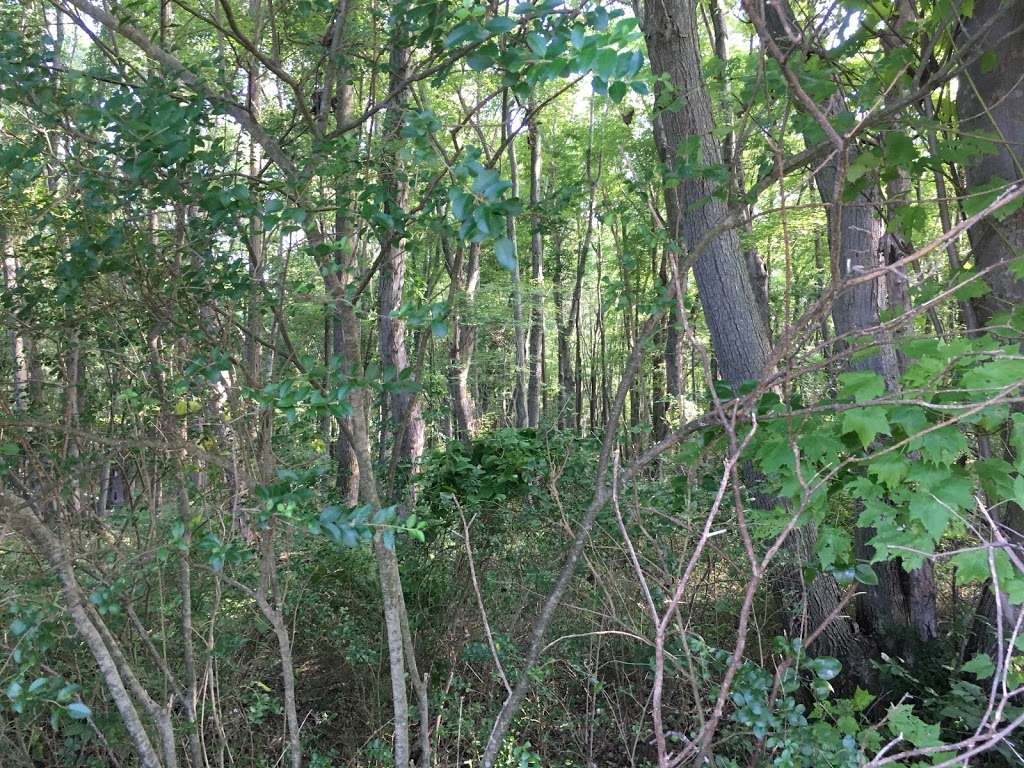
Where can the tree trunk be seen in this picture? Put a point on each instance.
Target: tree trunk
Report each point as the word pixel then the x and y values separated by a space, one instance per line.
pixel 463 339
pixel 519 386
pixel 536 363
pixel 345 263
pixel 15 511
pixel 856 246
pixel 990 102
pixel 673 352
pixel 406 417
pixel 575 313
pixel 566 405
pixel 738 334
pixel 19 358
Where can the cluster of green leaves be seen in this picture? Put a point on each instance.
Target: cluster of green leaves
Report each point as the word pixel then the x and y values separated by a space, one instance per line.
pixel 30 692
pixel 906 464
pixel 358 525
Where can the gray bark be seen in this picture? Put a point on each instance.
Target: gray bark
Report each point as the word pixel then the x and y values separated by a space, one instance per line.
pixel 900 611
pixel 992 103
pixel 738 334
pixel 19 358
pixel 519 386
pixel 15 512
pixel 403 407
pixel 566 404
pixel 536 360
pixel 463 339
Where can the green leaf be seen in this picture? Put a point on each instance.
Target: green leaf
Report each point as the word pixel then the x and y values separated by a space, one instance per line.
pixel 971 566
pixel 931 512
pixel 480 61
pixel 825 667
pixel 997 479
pixel 862 700
pixel 863 163
pixel 989 61
pixel 865 574
pixel 538 43
pixel 980 666
pixel 889 468
pixel 971 288
pixel 900 150
pixel 65 694
pixel 861 386
pixel 941 446
pixel 866 423
pixel 385 515
pixel 462 33
pixel 78 711
pixel 903 722
pixel 500 25
pixel 606 63
pixel 505 252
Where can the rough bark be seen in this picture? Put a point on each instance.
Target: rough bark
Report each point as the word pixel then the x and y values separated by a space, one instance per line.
pixel 575 314
pixel 465 279
pixel 406 417
pixel 738 335
pixel 344 260
pixel 673 351
pixel 991 102
pixel 859 242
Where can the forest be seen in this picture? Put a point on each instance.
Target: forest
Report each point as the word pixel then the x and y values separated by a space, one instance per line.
pixel 531 384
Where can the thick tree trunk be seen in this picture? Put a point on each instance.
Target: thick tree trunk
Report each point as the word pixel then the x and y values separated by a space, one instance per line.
pixel 991 102
pixel 345 262
pixel 738 334
pixel 408 426
pixel 885 610
pixel 900 612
